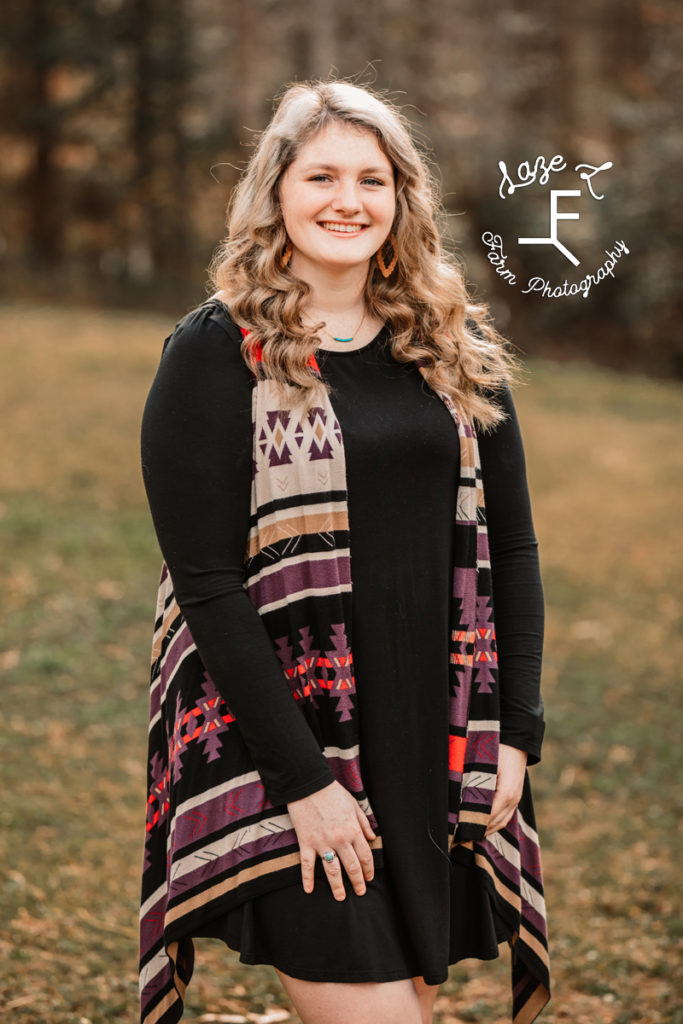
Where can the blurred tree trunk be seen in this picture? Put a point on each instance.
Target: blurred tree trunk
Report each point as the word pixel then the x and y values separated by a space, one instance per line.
pixel 144 121
pixel 44 209
pixel 313 38
pixel 579 71
pixel 244 18
pixel 623 24
pixel 322 17
pixel 177 84
pixel 423 65
pixel 160 185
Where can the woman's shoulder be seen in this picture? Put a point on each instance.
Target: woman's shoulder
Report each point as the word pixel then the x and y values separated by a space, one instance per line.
pixel 202 376
pixel 211 319
pixel 206 335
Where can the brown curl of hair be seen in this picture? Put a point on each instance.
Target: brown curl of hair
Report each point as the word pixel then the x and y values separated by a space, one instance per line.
pixel 425 301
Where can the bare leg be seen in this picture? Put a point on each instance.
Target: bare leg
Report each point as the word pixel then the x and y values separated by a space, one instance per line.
pixel 327 1002
pixel 427 996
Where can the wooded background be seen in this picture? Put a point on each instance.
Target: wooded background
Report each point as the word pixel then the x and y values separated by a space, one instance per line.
pixel 124 123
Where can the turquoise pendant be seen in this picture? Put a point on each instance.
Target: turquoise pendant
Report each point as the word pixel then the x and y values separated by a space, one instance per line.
pixel 342 339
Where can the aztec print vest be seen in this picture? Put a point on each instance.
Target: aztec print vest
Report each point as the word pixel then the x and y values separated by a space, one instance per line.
pixel 213 838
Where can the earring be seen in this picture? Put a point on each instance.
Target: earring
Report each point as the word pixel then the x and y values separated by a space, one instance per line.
pixel 286 254
pixel 387 271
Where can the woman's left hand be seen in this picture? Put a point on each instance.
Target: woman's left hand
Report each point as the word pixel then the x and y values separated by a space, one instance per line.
pixel 509 786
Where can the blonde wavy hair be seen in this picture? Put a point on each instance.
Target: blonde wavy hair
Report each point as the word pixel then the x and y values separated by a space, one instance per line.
pixel 425 301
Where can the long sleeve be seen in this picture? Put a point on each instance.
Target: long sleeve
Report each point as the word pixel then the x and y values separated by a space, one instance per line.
pixel 196 447
pixel 517 587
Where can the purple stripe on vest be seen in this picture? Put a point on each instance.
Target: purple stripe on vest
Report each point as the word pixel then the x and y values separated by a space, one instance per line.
pixel 152 926
pixel 465 590
pixel 241 854
pixel 286 583
pixel 181 643
pixel 483 554
pixel 482 747
pixel 531 857
pixel 460 700
pixel 215 813
pixel 347 772
pixel 477 795
pixel 504 867
pixel 533 917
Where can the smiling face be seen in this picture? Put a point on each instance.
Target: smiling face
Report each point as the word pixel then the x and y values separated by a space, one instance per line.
pixel 338 200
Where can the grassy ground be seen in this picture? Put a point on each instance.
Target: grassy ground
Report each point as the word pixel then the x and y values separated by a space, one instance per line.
pixel 79 567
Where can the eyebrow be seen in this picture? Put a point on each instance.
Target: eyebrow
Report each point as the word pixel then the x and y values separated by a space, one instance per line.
pixel 333 167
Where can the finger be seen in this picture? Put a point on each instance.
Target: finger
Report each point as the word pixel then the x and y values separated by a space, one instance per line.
pixel 496 820
pixel 353 868
pixel 493 823
pixel 492 827
pixel 367 861
pixel 307 868
pixel 334 877
pixel 500 819
pixel 368 831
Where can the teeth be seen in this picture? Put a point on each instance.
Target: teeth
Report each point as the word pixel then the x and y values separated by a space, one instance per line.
pixel 348 228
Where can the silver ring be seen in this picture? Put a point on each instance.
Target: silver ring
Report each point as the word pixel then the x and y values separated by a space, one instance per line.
pixel 329 856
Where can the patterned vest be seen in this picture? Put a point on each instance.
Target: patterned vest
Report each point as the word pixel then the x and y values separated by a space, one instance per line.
pixel 213 838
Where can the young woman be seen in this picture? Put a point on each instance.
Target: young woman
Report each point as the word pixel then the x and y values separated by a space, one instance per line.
pixel 340 729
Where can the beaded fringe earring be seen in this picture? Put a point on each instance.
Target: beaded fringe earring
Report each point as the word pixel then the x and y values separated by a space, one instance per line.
pixel 387 271
pixel 286 254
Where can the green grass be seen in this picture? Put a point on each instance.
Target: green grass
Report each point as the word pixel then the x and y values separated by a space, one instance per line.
pixel 79 573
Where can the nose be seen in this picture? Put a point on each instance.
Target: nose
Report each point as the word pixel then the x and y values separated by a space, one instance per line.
pixel 346 197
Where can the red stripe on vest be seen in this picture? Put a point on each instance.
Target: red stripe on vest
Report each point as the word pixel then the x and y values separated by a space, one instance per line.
pixel 456 753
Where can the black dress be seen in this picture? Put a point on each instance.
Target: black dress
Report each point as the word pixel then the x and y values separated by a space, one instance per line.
pixel 421 911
